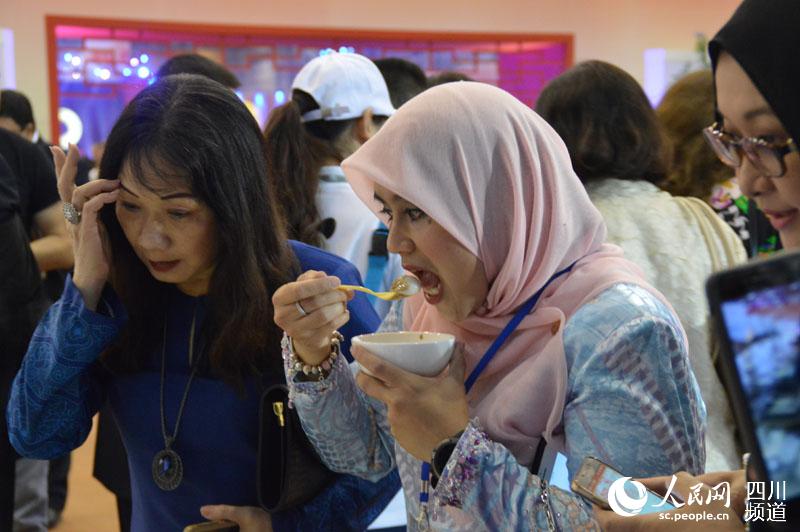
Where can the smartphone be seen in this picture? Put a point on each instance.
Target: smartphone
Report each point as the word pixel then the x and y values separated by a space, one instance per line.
pixel 594 479
pixel 221 525
pixel 756 311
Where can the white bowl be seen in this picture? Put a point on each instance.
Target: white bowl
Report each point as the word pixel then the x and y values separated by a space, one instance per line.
pixel 423 353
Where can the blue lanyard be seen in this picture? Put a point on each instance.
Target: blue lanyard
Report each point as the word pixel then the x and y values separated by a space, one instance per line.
pixel 484 361
pixel 512 325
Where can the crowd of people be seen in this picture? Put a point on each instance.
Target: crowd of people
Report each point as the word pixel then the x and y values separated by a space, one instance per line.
pixel 198 260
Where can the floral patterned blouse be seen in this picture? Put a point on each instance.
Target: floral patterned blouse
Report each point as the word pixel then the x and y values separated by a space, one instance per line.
pixel 632 402
pixel 750 224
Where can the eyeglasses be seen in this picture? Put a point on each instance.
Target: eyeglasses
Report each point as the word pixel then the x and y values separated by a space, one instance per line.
pixel 766 157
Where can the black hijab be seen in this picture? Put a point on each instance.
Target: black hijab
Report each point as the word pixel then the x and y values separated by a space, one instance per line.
pixel 764 38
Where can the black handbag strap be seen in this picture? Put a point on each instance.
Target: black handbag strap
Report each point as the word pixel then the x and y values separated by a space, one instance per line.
pixel 538 455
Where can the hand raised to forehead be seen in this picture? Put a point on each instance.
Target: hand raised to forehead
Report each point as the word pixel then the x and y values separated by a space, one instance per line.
pixel 82 206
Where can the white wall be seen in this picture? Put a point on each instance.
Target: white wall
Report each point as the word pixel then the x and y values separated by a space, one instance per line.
pixel 617 31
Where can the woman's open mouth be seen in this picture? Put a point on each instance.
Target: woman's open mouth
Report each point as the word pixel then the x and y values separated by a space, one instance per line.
pixel 431 285
pixel 163 267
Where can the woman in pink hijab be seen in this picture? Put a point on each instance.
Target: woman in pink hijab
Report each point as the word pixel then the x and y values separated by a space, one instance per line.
pixel 562 346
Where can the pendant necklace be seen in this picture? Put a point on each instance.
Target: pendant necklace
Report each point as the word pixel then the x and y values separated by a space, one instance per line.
pixel 167 466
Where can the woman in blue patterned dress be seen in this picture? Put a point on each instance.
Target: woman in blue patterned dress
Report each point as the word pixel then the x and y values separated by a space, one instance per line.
pixel 179 246
pixel 484 207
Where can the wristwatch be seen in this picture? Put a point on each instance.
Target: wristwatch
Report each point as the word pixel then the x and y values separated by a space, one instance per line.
pixel 441 455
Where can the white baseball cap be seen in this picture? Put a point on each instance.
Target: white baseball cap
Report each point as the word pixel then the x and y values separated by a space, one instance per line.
pixel 344 85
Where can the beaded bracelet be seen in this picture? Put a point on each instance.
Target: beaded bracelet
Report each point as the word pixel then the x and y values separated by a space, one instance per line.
pixel 313 372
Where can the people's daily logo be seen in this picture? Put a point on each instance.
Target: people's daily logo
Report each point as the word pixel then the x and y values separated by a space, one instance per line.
pixel 622 503
pixel 766 501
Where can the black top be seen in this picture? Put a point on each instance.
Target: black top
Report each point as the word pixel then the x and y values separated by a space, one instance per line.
pixel 44 147
pixel 22 302
pixel 36 180
pixel 21 297
pixel 9 197
pixel 84 163
pixel 764 37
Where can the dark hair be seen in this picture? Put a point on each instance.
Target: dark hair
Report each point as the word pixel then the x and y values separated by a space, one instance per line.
pixel 688 107
pixel 17 107
pixel 202 66
pixel 190 128
pixel 295 153
pixel 448 76
pixel 607 123
pixel 403 78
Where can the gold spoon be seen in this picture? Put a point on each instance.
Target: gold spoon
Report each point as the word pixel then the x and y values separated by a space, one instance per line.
pixel 403 286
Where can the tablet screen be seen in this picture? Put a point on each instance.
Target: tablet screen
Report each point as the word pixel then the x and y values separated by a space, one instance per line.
pixel 764 331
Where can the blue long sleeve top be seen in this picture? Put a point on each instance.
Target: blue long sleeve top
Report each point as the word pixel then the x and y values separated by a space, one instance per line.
pixel 632 401
pixel 61 385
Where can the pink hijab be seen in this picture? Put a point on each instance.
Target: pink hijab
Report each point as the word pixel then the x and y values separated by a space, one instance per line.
pixel 499 179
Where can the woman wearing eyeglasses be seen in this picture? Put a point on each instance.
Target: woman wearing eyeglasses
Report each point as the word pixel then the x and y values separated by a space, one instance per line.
pixel 756 73
pixel 757 77
pixel 684 112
